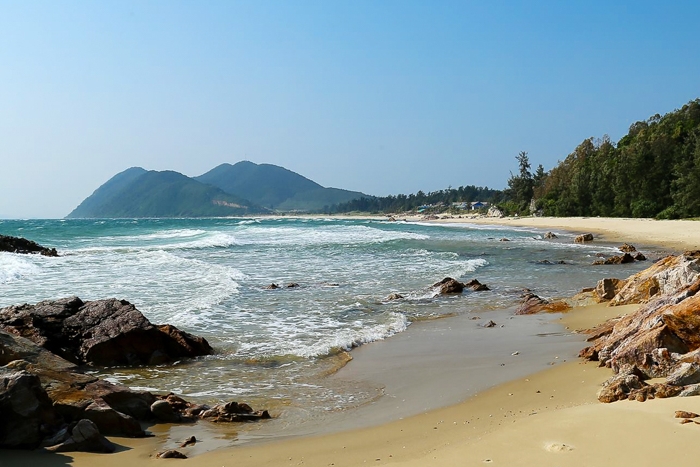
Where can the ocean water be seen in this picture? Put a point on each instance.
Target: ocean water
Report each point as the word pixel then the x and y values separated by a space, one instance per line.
pixel 275 348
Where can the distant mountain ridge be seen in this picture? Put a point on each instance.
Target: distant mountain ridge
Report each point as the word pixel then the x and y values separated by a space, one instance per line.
pixel 241 189
pixel 275 187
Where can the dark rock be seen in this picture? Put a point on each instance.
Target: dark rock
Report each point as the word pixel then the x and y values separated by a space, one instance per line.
pixel 584 238
pixel 490 324
pixel 292 285
pixel 684 414
pixel 476 286
pixel 550 235
pixel 171 454
pixel 109 421
pixel 394 296
pixel 272 286
pixel 504 240
pixel 233 412
pixel 449 286
pixel 640 257
pixel 163 412
pixel 191 441
pixel 24 246
pixel 26 412
pixel 621 386
pixel 102 332
pixel 84 436
pixel 623 259
pixel 627 248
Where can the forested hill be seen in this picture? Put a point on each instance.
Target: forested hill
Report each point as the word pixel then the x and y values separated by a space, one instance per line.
pixel 653 171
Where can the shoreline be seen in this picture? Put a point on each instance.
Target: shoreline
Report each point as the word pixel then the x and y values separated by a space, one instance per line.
pixel 509 424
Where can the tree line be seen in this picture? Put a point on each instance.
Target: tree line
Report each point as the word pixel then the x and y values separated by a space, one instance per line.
pixel 412 202
pixel 652 171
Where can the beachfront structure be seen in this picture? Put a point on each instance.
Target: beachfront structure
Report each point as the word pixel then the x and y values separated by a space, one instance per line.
pixel 478 205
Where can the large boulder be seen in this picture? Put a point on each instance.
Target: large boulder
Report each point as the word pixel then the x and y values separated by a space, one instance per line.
pixel 101 332
pixel 27 414
pixel 24 246
pixel 81 436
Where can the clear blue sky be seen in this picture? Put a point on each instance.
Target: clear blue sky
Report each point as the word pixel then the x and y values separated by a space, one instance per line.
pixel 383 97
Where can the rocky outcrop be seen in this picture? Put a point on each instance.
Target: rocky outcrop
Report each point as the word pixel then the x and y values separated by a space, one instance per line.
pixel 627 248
pixel 532 304
pixel 664 277
pixel 660 340
pixel 583 238
pixel 46 400
pixel 550 235
pixel 102 332
pixel 24 246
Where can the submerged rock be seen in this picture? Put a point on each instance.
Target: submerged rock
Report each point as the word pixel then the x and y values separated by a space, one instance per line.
pixel 583 238
pixel 449 286
pixel 627 248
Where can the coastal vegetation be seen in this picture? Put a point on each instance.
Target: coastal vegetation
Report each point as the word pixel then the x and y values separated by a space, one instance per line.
pixel 652 171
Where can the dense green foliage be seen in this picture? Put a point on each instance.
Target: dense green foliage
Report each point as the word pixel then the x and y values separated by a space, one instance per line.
pixel 402 203
pixel 653 171
pixel 274 187
pixel 137 193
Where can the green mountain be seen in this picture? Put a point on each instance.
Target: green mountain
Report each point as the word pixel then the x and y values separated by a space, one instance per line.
pixel 275 187
pixel 140 193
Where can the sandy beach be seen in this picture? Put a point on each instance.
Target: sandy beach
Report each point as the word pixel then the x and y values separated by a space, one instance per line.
pixel 549 418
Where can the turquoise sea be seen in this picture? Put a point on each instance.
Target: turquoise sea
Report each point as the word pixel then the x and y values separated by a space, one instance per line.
pixel 275 348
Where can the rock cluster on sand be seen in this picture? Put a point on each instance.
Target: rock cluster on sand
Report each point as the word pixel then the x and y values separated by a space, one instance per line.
pixel 532 304
pixel 46 400
pixel 660 340
pixel 24 246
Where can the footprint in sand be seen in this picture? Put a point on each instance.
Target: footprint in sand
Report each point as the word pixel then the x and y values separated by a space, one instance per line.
pixel 558 447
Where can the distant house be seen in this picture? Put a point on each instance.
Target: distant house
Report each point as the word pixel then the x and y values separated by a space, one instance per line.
pixel 460 205
pixel 478 205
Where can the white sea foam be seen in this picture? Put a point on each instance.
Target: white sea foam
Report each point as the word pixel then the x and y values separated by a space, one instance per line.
pixel 13 268
pixel 324 235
